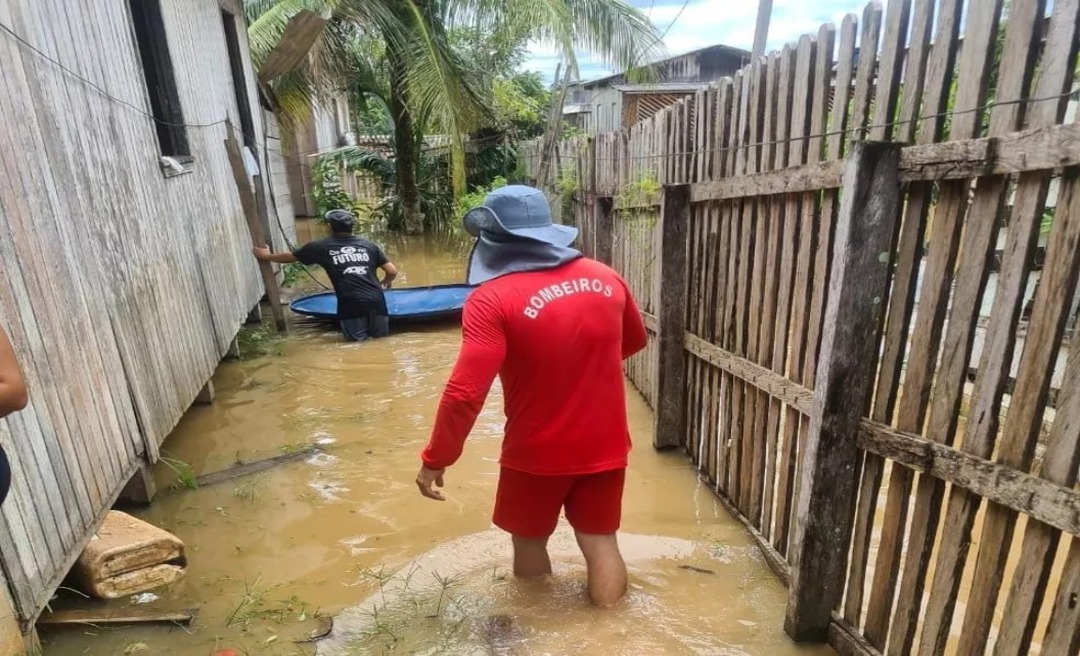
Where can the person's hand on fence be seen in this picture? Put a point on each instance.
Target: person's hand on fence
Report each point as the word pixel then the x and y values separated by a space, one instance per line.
pixel 261 252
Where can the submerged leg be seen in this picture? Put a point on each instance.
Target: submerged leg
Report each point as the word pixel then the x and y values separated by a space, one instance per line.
pixel 531 557
pixel 606 569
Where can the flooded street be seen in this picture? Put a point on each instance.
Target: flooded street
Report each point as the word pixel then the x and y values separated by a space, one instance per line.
pixel 345 534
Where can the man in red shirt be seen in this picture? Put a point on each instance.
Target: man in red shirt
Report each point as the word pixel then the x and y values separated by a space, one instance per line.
pixel 555 327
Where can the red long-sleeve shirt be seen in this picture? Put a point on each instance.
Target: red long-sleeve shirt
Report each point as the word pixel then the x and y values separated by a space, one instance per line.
pixel 557 339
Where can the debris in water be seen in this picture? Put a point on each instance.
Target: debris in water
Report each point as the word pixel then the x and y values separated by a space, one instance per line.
pixel 321 460
pixel 107 615
pixel 248 468
pixel 130 557
pixel 325 630
pixel 144 598
pixel 699 570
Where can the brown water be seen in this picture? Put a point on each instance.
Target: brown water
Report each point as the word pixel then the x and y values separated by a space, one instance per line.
pixel 345 533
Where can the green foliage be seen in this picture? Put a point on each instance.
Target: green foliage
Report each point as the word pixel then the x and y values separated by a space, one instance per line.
pixel 436 197
pixel 454 63
pixel 475 198
pixel 643 190
pixel 258 342
pixel 326 189
pixel 293 273
pixel 570 131
pixel 520 104
pixel 185 476
pixel 568 184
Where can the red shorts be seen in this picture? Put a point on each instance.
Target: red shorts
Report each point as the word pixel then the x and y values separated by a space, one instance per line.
pixel 528 505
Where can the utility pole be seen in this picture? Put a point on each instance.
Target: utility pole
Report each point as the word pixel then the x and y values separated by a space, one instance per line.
pixel 761 32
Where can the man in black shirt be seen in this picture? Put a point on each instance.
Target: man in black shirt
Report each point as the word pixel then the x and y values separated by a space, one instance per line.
pixel 350 262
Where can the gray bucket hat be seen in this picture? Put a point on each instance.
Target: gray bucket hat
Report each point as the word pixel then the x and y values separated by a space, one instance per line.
pixel 518 211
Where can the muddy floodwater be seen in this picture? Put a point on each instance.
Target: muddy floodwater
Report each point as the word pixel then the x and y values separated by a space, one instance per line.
pixel 343 533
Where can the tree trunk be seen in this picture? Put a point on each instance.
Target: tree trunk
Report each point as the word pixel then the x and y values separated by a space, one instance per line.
pixel 404 145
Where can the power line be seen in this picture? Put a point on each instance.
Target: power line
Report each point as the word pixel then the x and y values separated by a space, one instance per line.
pixel 674 20
pixel 99 89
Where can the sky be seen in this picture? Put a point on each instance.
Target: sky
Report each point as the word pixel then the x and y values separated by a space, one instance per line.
pixel 708 22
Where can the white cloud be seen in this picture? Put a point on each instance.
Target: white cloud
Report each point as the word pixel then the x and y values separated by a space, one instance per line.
pixel 730 22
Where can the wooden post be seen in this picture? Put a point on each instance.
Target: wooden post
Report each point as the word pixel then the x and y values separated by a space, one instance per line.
pixel 604 226
pixel 670 416
pixel 206 394
pixel 590 194
pixel 141 489
pixel 251 212
pixel 828 485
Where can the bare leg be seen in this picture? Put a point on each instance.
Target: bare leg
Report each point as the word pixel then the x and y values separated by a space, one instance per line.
pixel 606 569
pixel 531 557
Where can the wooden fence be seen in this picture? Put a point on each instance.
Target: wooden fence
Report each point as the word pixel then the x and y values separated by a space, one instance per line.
pixel 815 304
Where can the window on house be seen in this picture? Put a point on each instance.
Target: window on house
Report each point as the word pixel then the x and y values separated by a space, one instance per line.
pixel 160 81
pixel 240 89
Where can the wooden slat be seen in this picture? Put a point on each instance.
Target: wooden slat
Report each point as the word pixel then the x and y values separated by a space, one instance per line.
pixel 1028 203
pixel 901 304
pixel 978 243
pixel 800 210
pixel 925 340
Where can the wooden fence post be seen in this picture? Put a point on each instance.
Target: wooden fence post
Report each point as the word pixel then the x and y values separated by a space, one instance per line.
pixel 828 484
pixel 604 229
pixel 670 415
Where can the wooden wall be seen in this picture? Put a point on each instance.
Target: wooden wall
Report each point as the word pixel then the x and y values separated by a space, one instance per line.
pixel 121 288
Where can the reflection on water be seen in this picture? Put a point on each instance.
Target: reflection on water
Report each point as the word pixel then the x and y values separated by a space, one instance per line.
pixel 272 555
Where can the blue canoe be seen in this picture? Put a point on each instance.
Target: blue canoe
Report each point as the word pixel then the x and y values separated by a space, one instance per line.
pixel 406 304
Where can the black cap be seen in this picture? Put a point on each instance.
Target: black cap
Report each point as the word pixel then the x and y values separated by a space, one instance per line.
pixel 340 220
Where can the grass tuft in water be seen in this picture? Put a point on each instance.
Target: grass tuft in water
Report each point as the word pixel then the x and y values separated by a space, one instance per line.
pixel 258 342
pixel 185 476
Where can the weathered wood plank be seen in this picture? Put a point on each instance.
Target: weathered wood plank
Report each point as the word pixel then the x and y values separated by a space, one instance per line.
pixel 944 242
pixel 1063 632
pixel 1061 461
pixel 979 238
pixel 1028 204
pixel 800 210
pixel 107 615
pixel 670 422
pixel 829 481
pixel 1041 499
pixel 907 257
pixel 773 383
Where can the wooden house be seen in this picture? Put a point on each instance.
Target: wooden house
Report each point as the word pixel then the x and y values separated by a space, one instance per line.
pixel 615 102
pixel 125 263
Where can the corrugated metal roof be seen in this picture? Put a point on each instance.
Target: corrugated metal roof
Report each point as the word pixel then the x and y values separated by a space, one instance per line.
pixel 662 87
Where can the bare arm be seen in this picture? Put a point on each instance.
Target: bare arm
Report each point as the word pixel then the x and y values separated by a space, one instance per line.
pixel 263 254
pixel 13 395
pixel 389 273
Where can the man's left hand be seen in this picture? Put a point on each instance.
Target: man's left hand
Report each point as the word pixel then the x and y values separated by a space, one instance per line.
pixel 261 252
pixel 427 480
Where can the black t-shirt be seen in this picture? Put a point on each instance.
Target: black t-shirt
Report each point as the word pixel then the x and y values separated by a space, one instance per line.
pixel 351 263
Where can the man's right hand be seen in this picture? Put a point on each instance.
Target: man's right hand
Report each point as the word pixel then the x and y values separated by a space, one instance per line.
pixel 261 253
pixel 427 480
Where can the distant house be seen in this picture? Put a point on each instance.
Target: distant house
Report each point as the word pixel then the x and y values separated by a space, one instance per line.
pixel 327 126
pixel 125 255
pixel 612 103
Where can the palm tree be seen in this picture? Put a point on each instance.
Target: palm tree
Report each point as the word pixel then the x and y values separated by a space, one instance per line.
pixel 423 75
